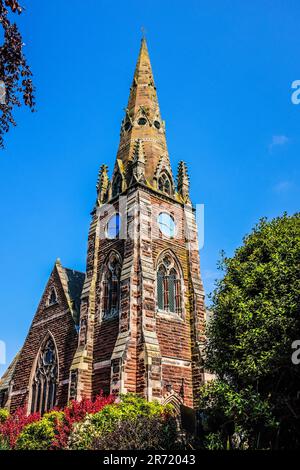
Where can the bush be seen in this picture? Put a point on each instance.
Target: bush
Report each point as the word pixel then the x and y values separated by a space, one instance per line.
pixel 142 433
pixel 74 413
pixel 37 436
pixel 4 445
pixel 214 441
pixel 4 414
pixel 54 416
pixel 40 435
pixel 132 423
pixel 52 431
pixel 14 424
pixel 129 409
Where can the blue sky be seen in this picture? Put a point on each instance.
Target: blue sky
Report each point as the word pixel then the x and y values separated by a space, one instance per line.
pixel 223 70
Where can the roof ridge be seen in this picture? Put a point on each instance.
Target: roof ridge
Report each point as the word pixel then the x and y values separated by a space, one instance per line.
pixel 74 270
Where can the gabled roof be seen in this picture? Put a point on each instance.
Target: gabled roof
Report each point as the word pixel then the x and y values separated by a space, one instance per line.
pixel 8 374
pixel 72 283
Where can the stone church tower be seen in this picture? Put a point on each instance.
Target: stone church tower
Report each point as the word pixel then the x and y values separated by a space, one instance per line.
pixel 135 321
pixel 142 305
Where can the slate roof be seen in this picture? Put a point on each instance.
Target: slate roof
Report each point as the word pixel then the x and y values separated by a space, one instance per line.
pixel 8 374
pixel 75 280
pixel 72 283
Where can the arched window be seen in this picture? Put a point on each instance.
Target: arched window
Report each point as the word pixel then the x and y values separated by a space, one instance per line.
pixel 52 299
pixel 117 185
pixel 44 384
pixel 111 288
pixel 164 183
pixel 168 286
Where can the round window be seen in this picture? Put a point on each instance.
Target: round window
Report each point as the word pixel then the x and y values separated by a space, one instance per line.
pixel 113 226
pixel 166 224
pixel 142 121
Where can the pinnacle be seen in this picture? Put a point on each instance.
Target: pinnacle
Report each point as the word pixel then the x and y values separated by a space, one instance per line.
pixel 138 152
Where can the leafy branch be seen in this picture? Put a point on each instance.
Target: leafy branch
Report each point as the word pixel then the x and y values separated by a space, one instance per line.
pixel 15 75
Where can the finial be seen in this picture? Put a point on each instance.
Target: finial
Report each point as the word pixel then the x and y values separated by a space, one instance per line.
pixel 143 32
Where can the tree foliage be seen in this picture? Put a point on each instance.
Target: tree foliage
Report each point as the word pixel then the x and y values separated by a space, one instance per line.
pixel 15 74
pixel 234 418
pixel 257 318
pixel 89 433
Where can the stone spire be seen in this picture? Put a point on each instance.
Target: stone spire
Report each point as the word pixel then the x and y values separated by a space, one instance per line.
pixel 183 183
pixel 102 185
pixel 142 121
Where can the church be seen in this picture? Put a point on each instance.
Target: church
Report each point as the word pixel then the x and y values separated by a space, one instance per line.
pixel 134 322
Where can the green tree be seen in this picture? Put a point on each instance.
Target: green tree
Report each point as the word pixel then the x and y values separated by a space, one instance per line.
pixel 256 319
pixel 235 419
pixel 15 75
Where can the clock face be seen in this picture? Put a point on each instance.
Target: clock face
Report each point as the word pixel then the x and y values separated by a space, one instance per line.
pixel 166 224
pixel 113 226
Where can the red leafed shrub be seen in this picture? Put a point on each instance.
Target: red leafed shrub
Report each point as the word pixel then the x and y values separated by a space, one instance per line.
pixel 75 412
pixel 14 424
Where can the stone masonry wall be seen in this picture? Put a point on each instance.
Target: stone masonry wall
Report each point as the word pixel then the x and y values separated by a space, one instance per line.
pixel 56 320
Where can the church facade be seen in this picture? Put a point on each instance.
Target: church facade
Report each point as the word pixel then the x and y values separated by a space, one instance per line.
pixel 135 320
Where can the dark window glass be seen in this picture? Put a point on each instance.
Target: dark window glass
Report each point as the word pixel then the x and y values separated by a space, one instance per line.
pixel 177 296
pixel 171 282
pixel 43 393
pixel 3 397
pixel 53 297
pixel 160 289
pixel 168 287
pixel 111 289
pixel 142 121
